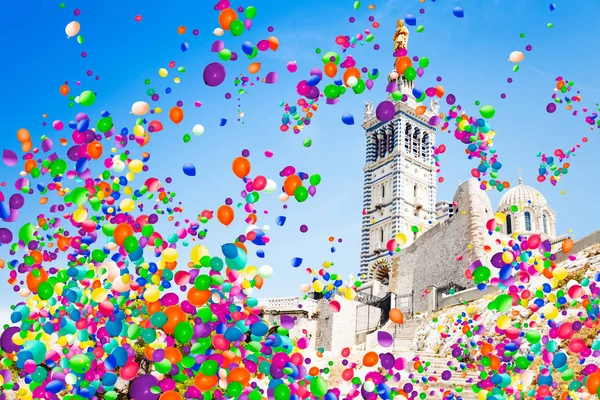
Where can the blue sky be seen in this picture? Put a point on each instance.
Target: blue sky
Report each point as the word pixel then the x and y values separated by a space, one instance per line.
pixel 470 54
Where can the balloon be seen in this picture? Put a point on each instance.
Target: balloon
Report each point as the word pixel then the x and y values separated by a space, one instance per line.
pixel 402 64
pixel 236 27
pixel 225 215
pixel 72 28
pixel 189 169
pixel 140 108
pixel 176 115
pixel 205 383
pixel 121 232
pixel 301 194
pixel 226 17
pixel 487 112
pixel 567 245
pixel 214 74
pixel 87 98
pixel 396 316
pixel 347 119
pixel 516 56
pixel 458 12
pixel 241 167
pixel 198 130
pixel 141 387
pixel 183 332
pixel 291 183
pixel 385 111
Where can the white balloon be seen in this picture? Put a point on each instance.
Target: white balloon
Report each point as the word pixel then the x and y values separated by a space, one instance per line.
pixel 70 379
pixel 516 56
pixel 266 228
pixel 271 186
pixel 72 28
pixel 118 166
pixel 218 32
pixel 266 271
pixel 198 130
pixel 140 108
pixel 352 81
pixel 283 197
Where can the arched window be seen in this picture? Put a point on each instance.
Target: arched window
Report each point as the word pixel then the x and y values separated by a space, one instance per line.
pixel 508 224
pixel 425 147
pixel 415 143
pixel 527 221
pixel 545 221
pixel 376 147
pixel 383 191
pixel 407 139
pixel 381 232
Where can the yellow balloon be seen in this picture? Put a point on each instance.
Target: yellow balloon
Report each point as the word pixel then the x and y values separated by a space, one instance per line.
pixel 197 253
pixel 177 80
pixel 136 166
pixel 170 255
pixel 99 294
pixel 127 205
pixel 318 286
pixel 80 215
pixel 550 312
pixel 500 218
pixel 138 130
pixel 507 257
pixel 559 273
pixel 151 294
pixel 350 294
pixel 503 322
pixel 400 238
pixel 163 72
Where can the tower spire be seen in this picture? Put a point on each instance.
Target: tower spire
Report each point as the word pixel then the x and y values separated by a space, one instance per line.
pixel 400 48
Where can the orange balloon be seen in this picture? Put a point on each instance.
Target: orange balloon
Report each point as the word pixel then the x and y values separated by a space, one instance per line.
pixel 122 231
pixel 402 63
pixel 241 375
pixel 567 245
pixel 291 183
pixel 26 146
pixel 593 382
pixel 34 281
pixel 226 17
pixel 439 91
pixel 181 30
pixel 370 359
pixel 205 383
pixel 175 315
pixel 241 167
pixel 148 352
pixel 152 308
pixel 29 165
pixel 259 281
pixel 170 395
pixel 37 257
pixel 23 135
pixel 172 354
pixel 225 215
pixel 273 43
pixel 351 72
pixel 94 149
pixel 176 115
pixel 198 297
pixel 64 90
pixel 254 67
pixel 396 316
pixel 420 110
pixel 330 69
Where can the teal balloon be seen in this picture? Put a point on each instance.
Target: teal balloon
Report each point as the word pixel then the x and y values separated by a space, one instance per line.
pixel 158 319
pixel 37 349
pixel 87 98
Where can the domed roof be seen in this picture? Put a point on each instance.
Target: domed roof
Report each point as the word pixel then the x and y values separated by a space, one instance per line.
pixel 521 195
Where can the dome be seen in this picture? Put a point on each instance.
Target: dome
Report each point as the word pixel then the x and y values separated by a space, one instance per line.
pixel 521 195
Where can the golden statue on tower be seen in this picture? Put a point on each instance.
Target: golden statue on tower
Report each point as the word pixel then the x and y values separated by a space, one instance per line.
pixel 401 36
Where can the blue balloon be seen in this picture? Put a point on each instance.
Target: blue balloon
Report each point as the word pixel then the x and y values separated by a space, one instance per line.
pixel 260 253
pixel 281 220
pixel 4 210
pixel 259 328
pixel 184 46
pixel 347 119
pixel 258 239
pixel 296 262
pixel 109 379
pixel 230 250
pixel 410 20
pixel 222 122
pixel 83 125
pixel 233 333
pixel 189 169
pixel 247 48
pixel 559 360
pixel 552 6
pixel 313 80
pixel 458 12
pixel 81 165
pixel 55 387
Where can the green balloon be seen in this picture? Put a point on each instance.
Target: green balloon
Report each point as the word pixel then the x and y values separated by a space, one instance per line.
pixel 250 12
pixel 163 367
pixel 234 389
pixel 424 62
pixel 503 302
pixel 315 179
pixel 80 39
pixel 45 290
pixel 487 112
pixel 359 87
pixel 282 392
pixel 183 332
pixel 202 282
pixel 104 124
pixel 225 54
pixel 131 244
pixel 533 336
pixel 332 91
pixel 522 362
pixel 134 331
pixel 236 27
pixel 98 255
pixel 79 195
pixel 329 56
pixel 481 274
pixel 410 73
pixel 80 364
pixel 87 98
pixel 318 386
pixel 26 233
pixel 158 319
pixel 301 194
pixel 147 230
pixel 209 367
pixel 397 95
pixel 57 167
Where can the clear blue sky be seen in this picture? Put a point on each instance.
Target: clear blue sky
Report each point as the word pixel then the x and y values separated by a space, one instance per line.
pixel 470 54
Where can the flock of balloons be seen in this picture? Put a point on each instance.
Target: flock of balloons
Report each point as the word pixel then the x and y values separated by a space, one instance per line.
pixel 118 306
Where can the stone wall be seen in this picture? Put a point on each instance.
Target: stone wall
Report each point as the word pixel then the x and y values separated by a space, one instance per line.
pixel 431 260
pixel 324 325
pixel 581 244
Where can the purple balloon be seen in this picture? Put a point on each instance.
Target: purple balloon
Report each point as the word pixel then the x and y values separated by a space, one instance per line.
pixel 385 339
pixel 385 111
pixel 271 77
pixel 450 99
pixel 316 71
pixel 140 388
pixel 434 121
pixel 6 340
pixel 550 108
pixel 16 201
pixel 214 74
pixel 217 46
pixel 312 190
pixel 420 72
pixel 248 24
pixel 369 84
pixel 313 93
